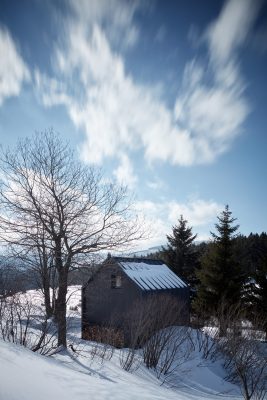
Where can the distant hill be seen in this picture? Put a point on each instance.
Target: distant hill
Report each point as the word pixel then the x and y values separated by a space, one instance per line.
pixel 143 253
pixel 155 249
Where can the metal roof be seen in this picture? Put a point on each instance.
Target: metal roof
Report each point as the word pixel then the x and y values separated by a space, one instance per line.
pixel 150 274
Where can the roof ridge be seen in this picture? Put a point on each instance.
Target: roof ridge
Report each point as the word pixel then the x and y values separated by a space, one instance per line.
pixel 139 260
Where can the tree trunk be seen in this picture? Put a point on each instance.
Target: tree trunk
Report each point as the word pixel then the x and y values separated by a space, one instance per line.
pixel 46 288
pixel 48 307
pixel 222 327
pixel 61 307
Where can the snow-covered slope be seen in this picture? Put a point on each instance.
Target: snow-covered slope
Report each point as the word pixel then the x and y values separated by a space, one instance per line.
pixel 25 375
pixel 78 375
pixel 28 376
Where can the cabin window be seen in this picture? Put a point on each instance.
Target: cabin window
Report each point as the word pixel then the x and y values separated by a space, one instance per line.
pixel 115 281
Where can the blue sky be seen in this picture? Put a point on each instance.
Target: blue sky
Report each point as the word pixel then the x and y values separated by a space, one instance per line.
pixel 168 97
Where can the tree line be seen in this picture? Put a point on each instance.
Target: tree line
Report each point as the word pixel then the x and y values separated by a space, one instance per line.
pixel 228 271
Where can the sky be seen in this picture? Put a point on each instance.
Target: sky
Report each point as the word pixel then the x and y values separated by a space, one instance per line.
pixel 167 97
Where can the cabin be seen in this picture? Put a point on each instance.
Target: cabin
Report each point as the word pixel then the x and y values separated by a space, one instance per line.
pixel 123 284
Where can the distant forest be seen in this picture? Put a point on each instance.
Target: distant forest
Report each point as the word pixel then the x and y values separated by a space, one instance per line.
pixel 249 251
pixel 226 275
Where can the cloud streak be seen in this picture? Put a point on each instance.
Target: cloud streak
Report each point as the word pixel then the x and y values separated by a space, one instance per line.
pixel 229 32
pixel 13 70
pixel 124 173
pixel 119 115
pixel 161 216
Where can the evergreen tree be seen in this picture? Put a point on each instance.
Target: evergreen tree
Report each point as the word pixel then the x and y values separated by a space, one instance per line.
pixel 249 252
pixel 220 276
pixel 180 253
pixel 258 298
pixel 255 288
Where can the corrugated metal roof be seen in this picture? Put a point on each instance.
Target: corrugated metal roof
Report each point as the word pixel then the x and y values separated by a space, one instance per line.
pixel 151 274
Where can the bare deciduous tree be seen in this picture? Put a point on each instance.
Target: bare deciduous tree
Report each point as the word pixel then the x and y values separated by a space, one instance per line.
pixel 37 256
pixel 130 360
pixel 152 324
pixel 46 191
pixel 23 322
pixel 245 356
pixel 246 365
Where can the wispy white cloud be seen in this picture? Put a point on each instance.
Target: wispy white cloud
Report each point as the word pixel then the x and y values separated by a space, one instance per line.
pixel 162 216
pixel 119 115
pixel 116 17
pixel 156 184
pixel 124 173
pixel 213 105
pixel 230 30
pixel 13 70
pixel 198 212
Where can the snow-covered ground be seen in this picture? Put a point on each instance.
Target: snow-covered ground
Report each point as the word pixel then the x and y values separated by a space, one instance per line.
pixel 83 375
pixel 73 297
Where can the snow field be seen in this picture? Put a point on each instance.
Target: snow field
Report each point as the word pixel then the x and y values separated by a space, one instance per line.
pixel 84 374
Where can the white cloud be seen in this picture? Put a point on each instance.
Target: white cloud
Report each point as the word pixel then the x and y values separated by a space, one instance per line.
pixel 156 184
pixel 198 212
pixel 155 222
pixel 230 30
pixel 125 172
pixel 161 216
pixel 119 115
pixel 213 105
pixel 115 16
pixel 116 113
pixel 13 70
pixel 213 113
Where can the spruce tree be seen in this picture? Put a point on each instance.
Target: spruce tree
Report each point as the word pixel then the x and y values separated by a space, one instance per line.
pixel 259 295
pixel 220 276
pixel 180 253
